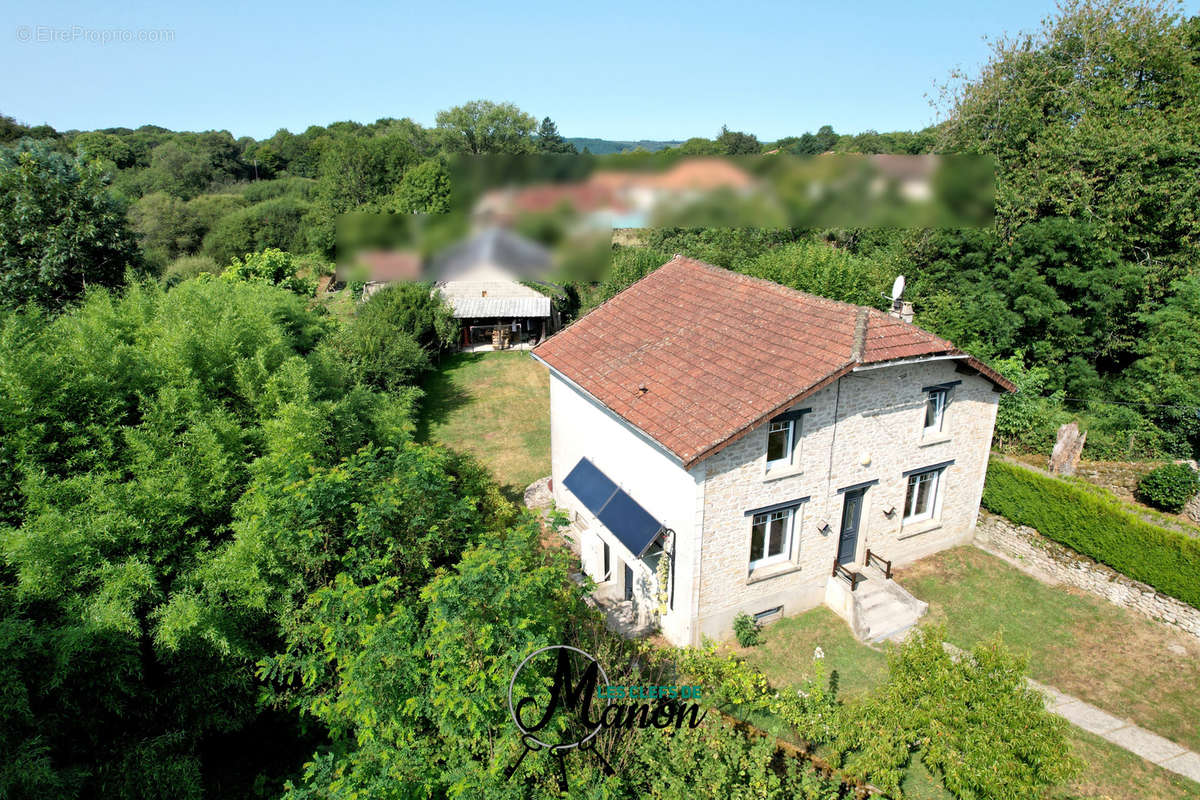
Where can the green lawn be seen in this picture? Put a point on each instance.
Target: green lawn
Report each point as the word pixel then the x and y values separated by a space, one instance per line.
pixel 975 594
pixel 786 653
pixel 1115 659
pixel 495 406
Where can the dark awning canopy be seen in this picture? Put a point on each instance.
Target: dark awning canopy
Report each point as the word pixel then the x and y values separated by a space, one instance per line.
pixel 633 525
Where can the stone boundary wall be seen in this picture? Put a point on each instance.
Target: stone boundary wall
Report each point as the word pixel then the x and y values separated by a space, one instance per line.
pixel 1049 561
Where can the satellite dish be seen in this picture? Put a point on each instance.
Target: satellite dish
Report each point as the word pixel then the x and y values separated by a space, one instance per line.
pixel 897 288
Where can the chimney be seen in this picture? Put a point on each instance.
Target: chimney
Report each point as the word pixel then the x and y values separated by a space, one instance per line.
pixel 902 310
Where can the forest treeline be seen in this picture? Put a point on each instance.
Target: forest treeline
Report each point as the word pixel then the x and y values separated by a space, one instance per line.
pixel 1083 290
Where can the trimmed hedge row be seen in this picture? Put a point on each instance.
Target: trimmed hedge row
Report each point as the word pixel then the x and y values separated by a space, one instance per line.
pixel 1098 527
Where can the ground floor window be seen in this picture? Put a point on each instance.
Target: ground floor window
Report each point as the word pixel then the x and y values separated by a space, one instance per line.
pixel 770 537
pixel 922 499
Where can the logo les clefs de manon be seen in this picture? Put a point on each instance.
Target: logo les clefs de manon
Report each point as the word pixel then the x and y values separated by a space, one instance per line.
pixel 576 711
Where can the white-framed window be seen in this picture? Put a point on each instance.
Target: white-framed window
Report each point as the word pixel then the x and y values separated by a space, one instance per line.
pixel 924 495
pixel 935 409
pixel 781 442
pixel 771 537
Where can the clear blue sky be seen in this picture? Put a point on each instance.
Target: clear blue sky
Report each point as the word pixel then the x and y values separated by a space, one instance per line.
pixel 610 69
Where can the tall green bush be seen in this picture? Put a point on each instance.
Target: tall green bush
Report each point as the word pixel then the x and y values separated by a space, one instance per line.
pixel 1098 527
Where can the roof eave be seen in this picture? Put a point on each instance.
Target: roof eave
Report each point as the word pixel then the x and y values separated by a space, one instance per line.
pixel 837 374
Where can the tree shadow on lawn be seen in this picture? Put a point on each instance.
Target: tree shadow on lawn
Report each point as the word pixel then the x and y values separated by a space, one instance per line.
pixel 443 396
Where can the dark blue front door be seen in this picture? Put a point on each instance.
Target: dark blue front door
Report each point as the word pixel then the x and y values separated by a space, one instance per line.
pixel 851 515
pixel 628 583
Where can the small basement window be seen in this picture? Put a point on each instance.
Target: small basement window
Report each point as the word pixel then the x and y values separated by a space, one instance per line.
pixel 769 614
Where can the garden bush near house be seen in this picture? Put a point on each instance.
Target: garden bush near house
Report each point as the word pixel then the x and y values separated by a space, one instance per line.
pixel 747 630
pixel 1098 527
pixel 1169 487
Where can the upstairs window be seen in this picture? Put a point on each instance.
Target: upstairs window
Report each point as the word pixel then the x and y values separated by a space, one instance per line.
pixel 935 409
pixel 780 438
pixel 783 438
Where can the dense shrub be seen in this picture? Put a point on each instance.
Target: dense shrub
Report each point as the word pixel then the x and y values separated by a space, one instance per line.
pixel 187 267
pixel 392 338
pixel 1169 487
pixel 823 270
pixel 273 267
pixel 1097 526
pixel 747 630
pixel 271 223
pixel 260 191
pixel 974 722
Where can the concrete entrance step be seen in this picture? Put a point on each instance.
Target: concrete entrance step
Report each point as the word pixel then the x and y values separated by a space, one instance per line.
pixel 877 609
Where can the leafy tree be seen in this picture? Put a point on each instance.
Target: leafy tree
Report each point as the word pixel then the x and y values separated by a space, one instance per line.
pixel 105 147
pixel 424 189
pixel 60 229
pixel 736 143
pixel 166 228
pixel 549 140
pixel 354 171
pixel 481 126
pixel 1074 295
pixel 1165 378
pixel 131 428
pixel 1028 417
pixel 188 163
pixel 974 723
pixel 699 146
pixel 209 209
pixel 1094 117
pixel 823 270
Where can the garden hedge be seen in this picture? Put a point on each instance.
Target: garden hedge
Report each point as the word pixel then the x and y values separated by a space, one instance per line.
pixel 1097 526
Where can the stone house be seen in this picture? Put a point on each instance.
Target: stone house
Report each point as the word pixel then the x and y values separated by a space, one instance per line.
pixel 774 447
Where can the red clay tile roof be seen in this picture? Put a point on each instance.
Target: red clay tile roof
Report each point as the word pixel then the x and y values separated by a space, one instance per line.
pixel 719 352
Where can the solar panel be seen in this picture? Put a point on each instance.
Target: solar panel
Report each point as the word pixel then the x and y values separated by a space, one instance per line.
pixel 590 485
pixel 633 525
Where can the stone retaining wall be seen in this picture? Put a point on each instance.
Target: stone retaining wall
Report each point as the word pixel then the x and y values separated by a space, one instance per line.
pixel 1046 560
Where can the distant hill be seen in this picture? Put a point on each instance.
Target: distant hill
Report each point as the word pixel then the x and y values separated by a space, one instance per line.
pixel 605 146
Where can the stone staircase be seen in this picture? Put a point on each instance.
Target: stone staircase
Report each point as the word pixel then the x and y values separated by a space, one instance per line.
pixel 878 608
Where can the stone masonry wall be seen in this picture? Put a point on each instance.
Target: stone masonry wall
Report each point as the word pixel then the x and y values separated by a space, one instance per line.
pixel 878 435
pixel 1033 553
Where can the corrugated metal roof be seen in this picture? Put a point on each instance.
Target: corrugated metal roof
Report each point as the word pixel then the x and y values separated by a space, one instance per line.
pixel 500 306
